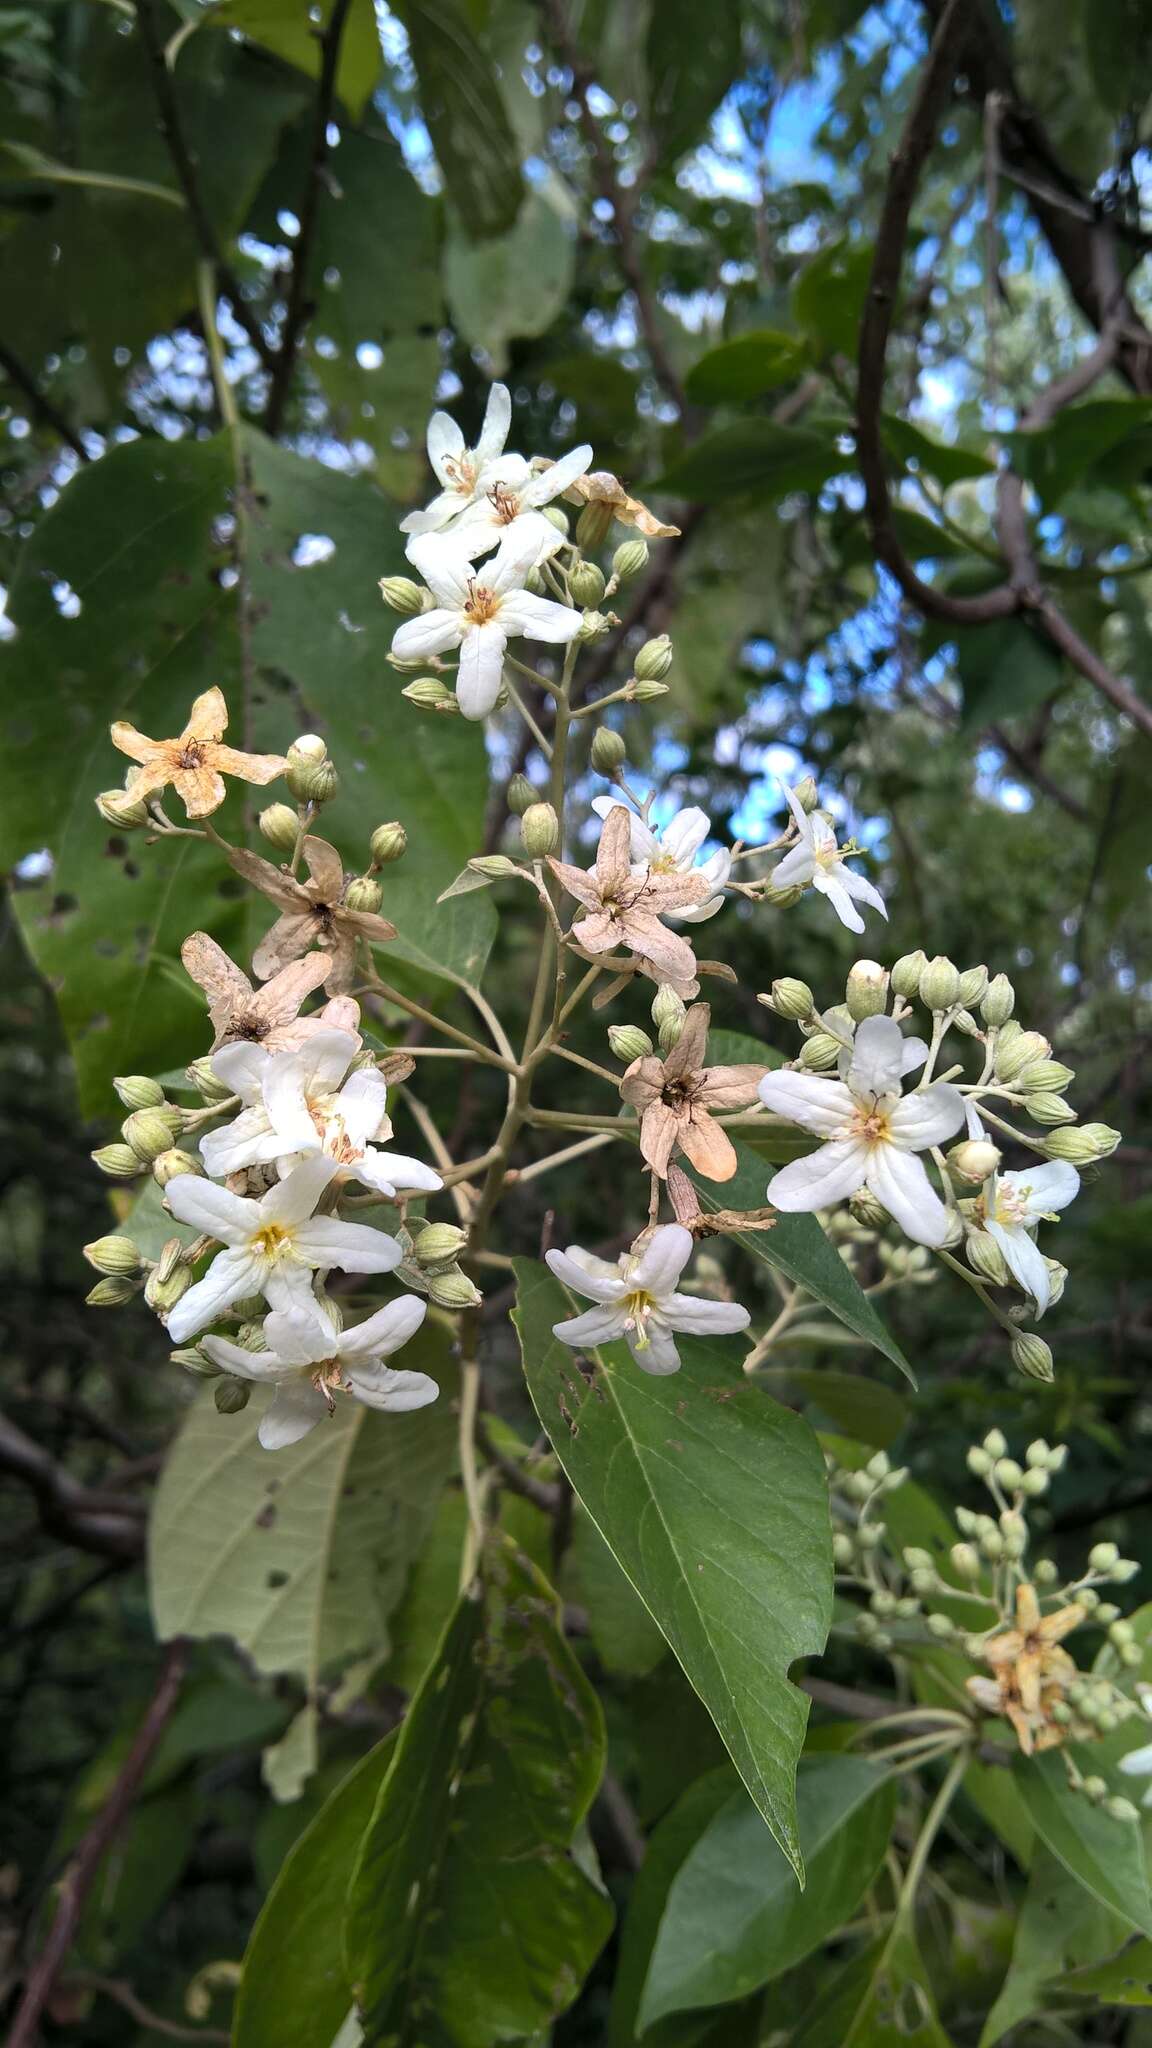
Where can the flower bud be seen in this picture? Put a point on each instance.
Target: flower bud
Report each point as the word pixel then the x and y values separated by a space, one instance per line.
pixel 593 524
pixel 965 1560
pixel 843 1548
pixel 974 1159
pixel 119 1162
pixel 628 1042
pixel 906 974
pixel 654 660
pixel 790 998
pixel 539 831
pixel 973 985
pixel 1127 1568
pixel 112 1292
pixel 806 794
pixel 280 827
pixel 1034 1483
pixel 309 746
pixel 1118 1808
pixel 630 557
pixel 120 809
pixel 867 991
pixel 163 1290
pixel 1022 1050
pixel 388 843
pixel 587 585
pixel 608 750
pixel 152 1131
pixel 998 1004
pixel 453 1290
pixel 1049 1109
pixel 1033 1357
pixel 1084 1145
pixel 1045 1076
pixel 311 782
pixel 940 984
pixel 170 1165
pixel 556 517
pixel 493 866
pixel 139 1091
pixel 520 794
pixel 195 1361
pixel 439 1244
pixel 1007 1473
pixel 867 1210
pixel 205 1080
pixel 940 1625
pixel 402 595
pixel 668 1014
pixel 1038 1454
pixel 428 693
pixel 363 894
pixel 231 1396
pixel 116 1256
pixel 820 1052
pixel 1103 1556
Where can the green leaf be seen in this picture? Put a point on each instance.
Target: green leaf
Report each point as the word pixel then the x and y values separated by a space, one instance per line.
pixel 293 33
pixel 945 460
pixel 1057 1929
pixel 623 1633
pixel 668 1846
pixel 881 1999
pixel 1105 1856
pixel 1055 457
pixel 713 1501
pixel 299 1555
pixel 469 1920
pixel 760 457
pixel 734 1919
pixel 797 1246
pixel 1125 1979
pixel 1118 46
pixel 293 1991
pixel 828 297
pixel 517 284
pixel 692 59
pixel 862 1407
pixel 1005 670
pixel 745 367
pixel 461 102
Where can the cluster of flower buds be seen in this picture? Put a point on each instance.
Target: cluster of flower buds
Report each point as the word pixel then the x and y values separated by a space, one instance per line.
pixel 148 1137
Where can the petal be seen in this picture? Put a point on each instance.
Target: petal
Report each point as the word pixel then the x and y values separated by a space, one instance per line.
pixel 660 1128
pixel 586 1275
pixel 828 1175
pixel 201 790
pixel 231 1276
pixel 241 1363
pixel 290 936
pixel 831 887
pixel 396 1391
pixel 1138 1762
pixel 362 1104
pixel 301 1335
pixel 445 567
pixel 386 1331
pixel 800 816
pixel 913 1056
pixel 1024 1261
pixel 222 1215
pixel 247 1141
pixel 481 668
pixel 857 886
pixel 389 1171
pixel 1044 1188
pixel 926 1117
pixel 560 477
pixel 435 515
pixel 432 633
pixel 683 837
pixel 900 1181
pixel 352 1247
pixel 135 744
pixel 517 554
pixel 295 1408
pixel 709 1148
pixel 809 1100
pixel 730 1087
pixel 601 1325
pixel 209 965
pixel 241 1067
pixel 294 1200
pixel 445 444
pixel 208 718
pixel 539 618
pixel 657 1354
pixel 796 868
pixel 877 1052
pixel 699 1318
pixel 258 768
pixel 662 1261
pixel 497 420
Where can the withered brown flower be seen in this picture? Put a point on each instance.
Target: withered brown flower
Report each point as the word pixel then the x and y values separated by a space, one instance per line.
pixel 195 763
pixel 626 909
pixel 676 1095
pixel 600 487
pixel 1031 1671
pixel 313 913
pixel 267 1016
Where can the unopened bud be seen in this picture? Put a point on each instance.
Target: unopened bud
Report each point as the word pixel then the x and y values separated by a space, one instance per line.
pixel 205 1080
pixel 163 1290
pixel 152 1131
pixel 1007 1474
pixel 906 974
pixel 170 1165
pixel 820 1052
pixel 867 1210
pixel 438 1244
pixel 974 1159
pixel 973 985
pixel 1021 1050
pixel 587 585
pixel 1045 1076
pixel 402 595
pixel 940 1625
pixel 363 894
pixel 867 991
pixel 630 557
pixel 119 1162
pixel 1118 1808
pixel 139 1091
pixel 1083 1146
pixel 645 692
pixel 1033 1357
pixel 986 1258
pixel 806 794
pixel 557 517
pixel 520 794
pixel 280 827
pixel 309 746
pixel 654 660
pixel 940 984
pixel 790 998
pixel 1103 1556
pixel 453 1290
pixel 539 831
pixel 593 524
pixel 231 1396
pixel 428 693
pixel 608 750
pixel 116 1256
pixel 193 1360
pixel 112 1292
pixel 965 1560
pixel 668 1014
pixel 1049 1109
pixel 629 1043
pixel 999 1002
pixel 593 626
pixel 388 843
pixel 120 809
pixel 311 782
pixel 493 866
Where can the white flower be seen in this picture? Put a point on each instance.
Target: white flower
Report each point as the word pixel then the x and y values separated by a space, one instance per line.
pixel 874 1133
pixel 272 1247
pixel 461 469
pixel 298 1103
pixel 1138 1764
pixel 509 504
pixel 817 859
pixel 672 849
pixel 478 611
pixel 1014 1203
pixel 308 1361
pixel 637 1300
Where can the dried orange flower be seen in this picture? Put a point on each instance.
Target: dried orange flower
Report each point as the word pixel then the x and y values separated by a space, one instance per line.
pixel 676 1095
pixel 1032 1672
pixel 195 763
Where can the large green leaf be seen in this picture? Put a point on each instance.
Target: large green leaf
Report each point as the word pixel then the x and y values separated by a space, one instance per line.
pixel 668 1846
pixel 469 1921
pixel 461 102
pixel 1055 457
pixel 881 1999
pixel 1005 670
pixel 947 461
pixel 713 1500
pixel 623 1633
pixel 1058 1929
pixel 1105 1856
pixel 828 296
pixel 734 1918
pixel 797 1246
pixel 692 59
pixel 293 1990
pixel 293 33
pixel 517 284
pixel 745 367
pixel 759 457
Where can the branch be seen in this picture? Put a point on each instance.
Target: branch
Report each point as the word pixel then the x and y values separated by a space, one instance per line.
pixel 184 165
pixel 105 1523
pixel 298 308
pixel 42 406
pixel 84 1866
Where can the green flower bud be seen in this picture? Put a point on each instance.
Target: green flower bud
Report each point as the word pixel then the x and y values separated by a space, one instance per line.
pixel 495 867
pixel 996 1443
pixel 940 984
pixel 193 1360
pixel 1094 1789
pixel 643 692
pixel 1007 1474
pixel 139 1091
pixel 121 810
pixel 119 1162
pixel 1126 1569
pixel 1121 1809
pixel 171 1164
pixel 979 1462
pixel 1022 1050
pixel 654 660
pixel 792 999
pixel 540 831
pixel 1088 1598
pixel 388 843
pixel 608 750
pixel 1131 1656
pixel 557 517
pixel 806 794
pixel 973 985
pixel 906 974
pixel 592 525
pixel 867 991
pixel 1083 1146
pixel 116 1256
pixel 280 827
pixel 973 1160
pixel 843 1549
pixel 163 1290
pixel 112 1292
pixel 820 1052
pixel 668 1014
pixel 453 1290
pixel 520 794
pixel 428 693
pixel 439 1244
pixel 867 1210
pixel 1107 1613
pixel 1034 1484
pixel 998 1004
pixel 1121 1632
pixel 593 626
pixel 231 1396
pixel 940 1626
pixel 311 782
pixel 630 557
pixel 965 1560
pixel 206 1083
pixel 628 1042
pixel 1033 1357
pixel 1045 1077
pixel 402 595
pixel 363 894
pixel 1038 1454
pixel 152 1131
pixel 587 585
pixel 991 1544
pixel 1049 1109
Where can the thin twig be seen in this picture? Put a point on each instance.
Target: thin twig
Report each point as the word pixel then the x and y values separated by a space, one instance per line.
pixel 123 1994
pixel 42 406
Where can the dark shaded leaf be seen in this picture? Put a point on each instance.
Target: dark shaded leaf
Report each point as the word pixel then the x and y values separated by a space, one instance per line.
pixel 1105 1856
pixel 692 59
pixel 461 101
pixel 1006 670
pixel 745 367
pixel 759 457
pixel 828 297
pixel 945 460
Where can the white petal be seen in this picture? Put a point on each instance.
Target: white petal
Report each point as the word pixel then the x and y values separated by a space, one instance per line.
pixel 529 540
pixel 213 1210
pixel 435 515
pixel 353 1247
pixel 1138 1762
pixel 387 1171
pixel 795 870
pixel 662 1261
pixel 361 1104
pixel 601 1325
pixel 386 1331
pixel 295 1408
pixel 302 1335
pixel 444 568
pixel 900 1181
pixel 497 420
pixel 400 1392
pixel 913 1057
pixel 432 633
pixel 828 1175
pixel 832 887
pixel 445 444
pixel 658 1354
pixel 927 1117
pixel 857 886
pixel 682 838
pixel 586 1275
pixel 241 1068
pixel 1043 1189
pixel 809 1100
pixel 800 816
pixel 877 1051
pixel 539 618
pixel 481 668
pixel 243 1142
pixel 295 1198
pixel 1024 1261
pixel 516 556
pixel 231 1276
pixel 244 1365
pixel 286 1102
pixel 699 913
pixel 699 1318
pixel 551 483
pixel 287 1286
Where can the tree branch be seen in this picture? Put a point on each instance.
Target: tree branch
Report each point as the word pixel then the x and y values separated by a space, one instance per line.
pixel 105 1523
pixel 42 406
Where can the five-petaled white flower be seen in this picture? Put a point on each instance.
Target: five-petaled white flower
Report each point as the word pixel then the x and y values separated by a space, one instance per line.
pixel 874 1132
pixel 272 1247
pixel 636 1299
pixel 298 1103
pixel 509 502
pixel 460 469
pixel 309 1361
pixel 1013 1204
pixel 671 849
pixel 816 858
pixel 478 611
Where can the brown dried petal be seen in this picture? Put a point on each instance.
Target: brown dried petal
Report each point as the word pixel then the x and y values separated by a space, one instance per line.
pixel 730 1087
pixel 707 1146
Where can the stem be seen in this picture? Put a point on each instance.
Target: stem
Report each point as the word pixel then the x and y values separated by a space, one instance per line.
pixel 469 1474
pixel 928 1833
pixel 414 1009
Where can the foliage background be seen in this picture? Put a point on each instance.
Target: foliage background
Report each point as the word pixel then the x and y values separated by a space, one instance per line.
pixel 590 203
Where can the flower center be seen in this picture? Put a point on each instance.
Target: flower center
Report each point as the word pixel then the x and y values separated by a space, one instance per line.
pixel 870 1124
pixel 327 1378
pixel 461 471
pixel 191 755
pixel 1011 1205
pixel 483 604
pixel 328 1122
pixel 505 504
pixel 638 1308
pixel 272 1242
